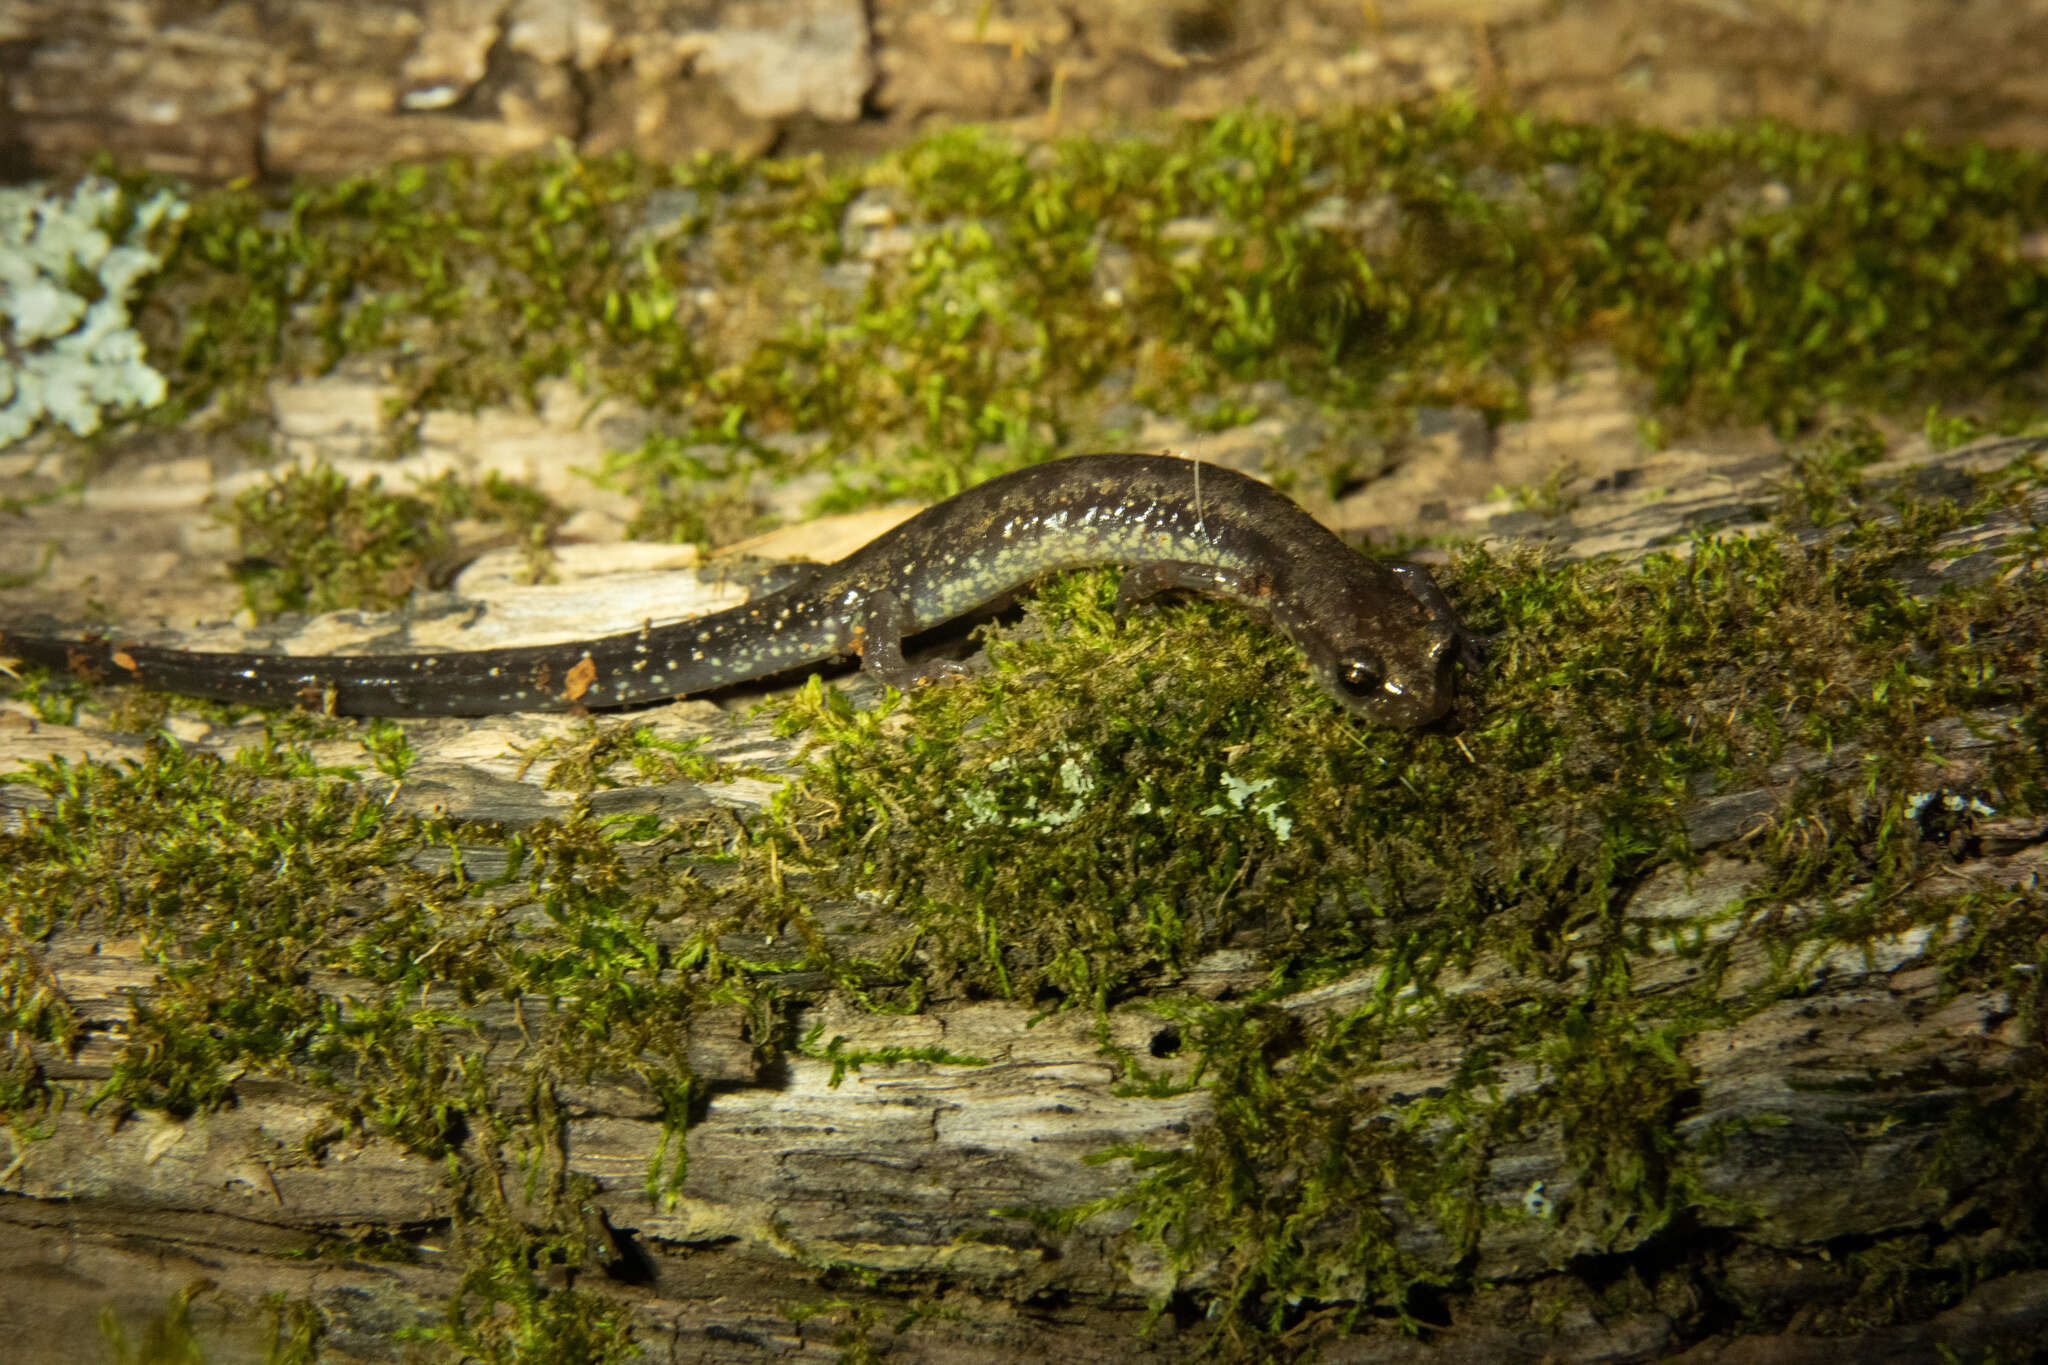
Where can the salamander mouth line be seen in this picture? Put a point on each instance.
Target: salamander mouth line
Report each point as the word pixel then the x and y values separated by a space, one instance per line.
pixel 1174 524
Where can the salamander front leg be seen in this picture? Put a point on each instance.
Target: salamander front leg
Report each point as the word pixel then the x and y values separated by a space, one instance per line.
pixel 1156 576
pixel 1471 646
pixel 886 621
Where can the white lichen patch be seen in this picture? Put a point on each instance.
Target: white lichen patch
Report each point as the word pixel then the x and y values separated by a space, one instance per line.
pixel 1024 798
pixel 69 353
pixel 1250 796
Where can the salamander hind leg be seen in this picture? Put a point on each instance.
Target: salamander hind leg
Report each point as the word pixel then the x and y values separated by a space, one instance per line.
pixel 884 623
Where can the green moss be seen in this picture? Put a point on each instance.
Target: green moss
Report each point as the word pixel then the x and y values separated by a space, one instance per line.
pixel 583 763
pixel 172 1338
pixel 1370 261
pixel 682 498
pixel 312 541
pixel 168 1338
pixel 1042 838
pixel 503 1317
pixel 845 1059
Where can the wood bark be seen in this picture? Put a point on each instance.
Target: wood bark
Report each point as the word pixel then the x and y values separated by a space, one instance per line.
pixel 319 87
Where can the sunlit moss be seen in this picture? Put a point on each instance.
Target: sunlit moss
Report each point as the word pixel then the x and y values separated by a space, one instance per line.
pixel 994 298
pixel 313 541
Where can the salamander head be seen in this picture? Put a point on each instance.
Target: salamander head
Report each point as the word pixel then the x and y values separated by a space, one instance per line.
pixel 1384 655
pixel 1405 689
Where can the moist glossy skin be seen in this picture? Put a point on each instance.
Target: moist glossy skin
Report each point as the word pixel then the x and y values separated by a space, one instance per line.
pixel 1378 637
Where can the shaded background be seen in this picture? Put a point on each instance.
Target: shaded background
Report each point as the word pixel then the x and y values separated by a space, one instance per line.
pixel 215 91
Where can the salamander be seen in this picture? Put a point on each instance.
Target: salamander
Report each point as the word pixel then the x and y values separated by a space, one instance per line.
pixel 1378 636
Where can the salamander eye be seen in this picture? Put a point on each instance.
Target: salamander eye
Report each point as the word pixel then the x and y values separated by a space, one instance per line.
pixel 1362 676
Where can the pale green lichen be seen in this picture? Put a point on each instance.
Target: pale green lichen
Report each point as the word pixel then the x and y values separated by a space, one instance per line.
pixel 68 270
pixel 1239 794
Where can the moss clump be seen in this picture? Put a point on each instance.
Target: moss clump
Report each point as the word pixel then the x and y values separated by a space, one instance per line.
pixel 586 762
pixel 312 541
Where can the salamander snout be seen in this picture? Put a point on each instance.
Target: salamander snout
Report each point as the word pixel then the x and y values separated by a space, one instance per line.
pixel 1406 688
